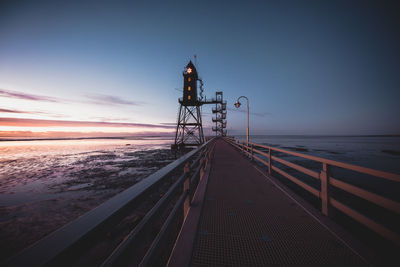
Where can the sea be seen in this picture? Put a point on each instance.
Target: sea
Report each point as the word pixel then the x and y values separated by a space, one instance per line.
pixel 45 184
pixel 376 152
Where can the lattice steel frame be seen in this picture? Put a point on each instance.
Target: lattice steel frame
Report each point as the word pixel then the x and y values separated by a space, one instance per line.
pixel 189 130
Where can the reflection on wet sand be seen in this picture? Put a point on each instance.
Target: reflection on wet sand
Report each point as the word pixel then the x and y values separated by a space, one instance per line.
pixel 46 184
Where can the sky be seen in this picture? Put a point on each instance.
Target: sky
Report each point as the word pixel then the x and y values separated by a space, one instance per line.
pixel 115 67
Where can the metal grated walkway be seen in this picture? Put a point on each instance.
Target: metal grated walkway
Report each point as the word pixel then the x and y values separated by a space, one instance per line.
pixel 247 221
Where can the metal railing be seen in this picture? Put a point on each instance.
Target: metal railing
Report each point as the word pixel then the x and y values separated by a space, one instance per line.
pixel 55 248
pixel 326 179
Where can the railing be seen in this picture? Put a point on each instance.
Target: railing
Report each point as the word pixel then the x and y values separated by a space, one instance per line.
pixel 214 100
pixel 218 128
pixel 253 150
pixel 58 247
pixel 220 119
pixel 216 110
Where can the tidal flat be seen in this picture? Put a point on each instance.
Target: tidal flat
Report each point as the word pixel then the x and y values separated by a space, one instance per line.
pixel 46 184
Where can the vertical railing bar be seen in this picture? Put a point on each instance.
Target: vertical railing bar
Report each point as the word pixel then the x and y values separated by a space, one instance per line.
pixel 324 194
pixel 269 161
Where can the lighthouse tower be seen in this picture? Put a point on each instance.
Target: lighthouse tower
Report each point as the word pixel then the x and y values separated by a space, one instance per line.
pixel 189 129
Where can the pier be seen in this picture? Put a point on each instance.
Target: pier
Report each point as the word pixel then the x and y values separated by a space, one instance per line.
pixel 247 220
pixel 223 208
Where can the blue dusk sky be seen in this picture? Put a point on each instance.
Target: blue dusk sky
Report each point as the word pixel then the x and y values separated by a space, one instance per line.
pixel 307 67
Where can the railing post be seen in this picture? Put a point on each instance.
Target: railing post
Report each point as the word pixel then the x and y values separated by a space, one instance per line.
pixel 269 161
pixel 324 176
pixel 252 152
pixel 186 185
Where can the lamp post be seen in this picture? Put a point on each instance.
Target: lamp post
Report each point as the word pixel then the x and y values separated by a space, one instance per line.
pixel 237 105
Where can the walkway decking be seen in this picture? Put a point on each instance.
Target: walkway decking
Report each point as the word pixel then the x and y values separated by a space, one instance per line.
pixel 247 221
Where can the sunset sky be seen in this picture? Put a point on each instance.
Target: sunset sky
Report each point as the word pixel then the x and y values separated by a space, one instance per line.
pixel 115 67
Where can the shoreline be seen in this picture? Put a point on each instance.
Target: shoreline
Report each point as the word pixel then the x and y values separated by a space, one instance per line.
pixel 144 137
pixel 89 138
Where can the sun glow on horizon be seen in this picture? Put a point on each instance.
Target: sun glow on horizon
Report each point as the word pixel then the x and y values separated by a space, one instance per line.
pixel 84 129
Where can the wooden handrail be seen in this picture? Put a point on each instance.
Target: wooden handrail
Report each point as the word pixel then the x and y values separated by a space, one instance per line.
pixel 260 160
pixel 377 199
pixel 297 167
pixel 381 201
pixel 326 181
pixel 383 231
pixel 260 152
pixel 310 189
pixel 381 174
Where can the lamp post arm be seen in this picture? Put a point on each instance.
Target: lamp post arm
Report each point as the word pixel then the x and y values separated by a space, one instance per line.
pixel 243 97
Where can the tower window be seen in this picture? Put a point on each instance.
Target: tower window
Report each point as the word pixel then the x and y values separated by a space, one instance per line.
pixel 189 88
pixel 189 79
pixel 189 97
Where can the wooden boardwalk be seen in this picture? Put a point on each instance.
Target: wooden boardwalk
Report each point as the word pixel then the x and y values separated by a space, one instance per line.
pixel 247 221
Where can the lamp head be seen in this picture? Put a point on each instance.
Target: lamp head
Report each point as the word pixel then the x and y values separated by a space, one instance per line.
pixel 237 104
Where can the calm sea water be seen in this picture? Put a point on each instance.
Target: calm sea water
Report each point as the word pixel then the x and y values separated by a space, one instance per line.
pixel 377 152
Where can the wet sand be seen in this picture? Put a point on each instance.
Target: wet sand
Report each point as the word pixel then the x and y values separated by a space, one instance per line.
pixel 41 192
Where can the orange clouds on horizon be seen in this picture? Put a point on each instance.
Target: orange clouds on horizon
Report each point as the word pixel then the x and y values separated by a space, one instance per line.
pixel 37 128
pixel 12 135
pixel 19 122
